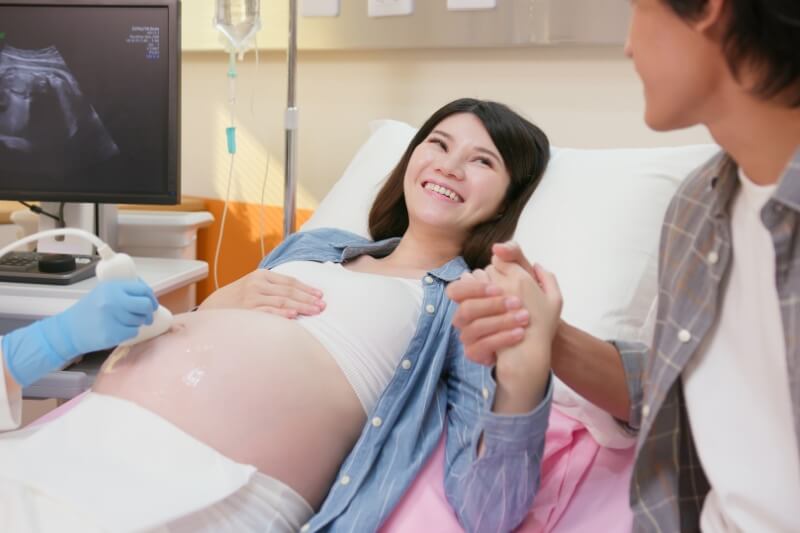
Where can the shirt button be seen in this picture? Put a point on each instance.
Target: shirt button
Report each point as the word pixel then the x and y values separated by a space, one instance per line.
pixel 406 364
pixel 305 528
pixel 712 257
pixel 485 393
pixel 345 480
pixel 645 411
pixel 428 280
pixel 430 309
pixel 684 335
pixel 376 422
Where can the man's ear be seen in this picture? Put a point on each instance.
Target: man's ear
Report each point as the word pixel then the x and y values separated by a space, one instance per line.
pixel 711 19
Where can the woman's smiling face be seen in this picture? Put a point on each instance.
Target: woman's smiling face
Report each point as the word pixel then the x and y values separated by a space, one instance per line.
pixel 456 178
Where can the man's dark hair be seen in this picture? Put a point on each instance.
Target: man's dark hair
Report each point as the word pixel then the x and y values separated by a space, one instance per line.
pixel 764 33
pixel 525 150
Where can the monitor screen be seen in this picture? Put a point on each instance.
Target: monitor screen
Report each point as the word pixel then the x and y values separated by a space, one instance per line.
pixel 89 101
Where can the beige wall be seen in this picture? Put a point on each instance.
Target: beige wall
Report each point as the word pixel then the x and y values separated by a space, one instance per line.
pixel 582 97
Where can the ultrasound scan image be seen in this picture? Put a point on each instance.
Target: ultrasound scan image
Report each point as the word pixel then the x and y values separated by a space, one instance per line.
pixel 47 126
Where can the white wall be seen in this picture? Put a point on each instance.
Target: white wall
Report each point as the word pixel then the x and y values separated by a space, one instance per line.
pixel 582 97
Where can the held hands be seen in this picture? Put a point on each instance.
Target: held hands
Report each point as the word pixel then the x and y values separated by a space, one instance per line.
pixel 111 313
pixel 541 299
pixel 520 353
pixel 264 290
pixel 491 319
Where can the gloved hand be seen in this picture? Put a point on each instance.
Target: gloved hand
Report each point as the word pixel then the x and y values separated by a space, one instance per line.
pixel 110 314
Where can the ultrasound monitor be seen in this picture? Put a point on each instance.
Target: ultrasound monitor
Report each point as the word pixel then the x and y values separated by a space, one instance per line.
pixel 89 103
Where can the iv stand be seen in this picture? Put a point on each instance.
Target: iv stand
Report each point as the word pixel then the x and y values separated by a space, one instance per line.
pixel 290 121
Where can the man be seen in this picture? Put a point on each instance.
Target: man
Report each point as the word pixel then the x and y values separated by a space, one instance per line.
pixel 716 400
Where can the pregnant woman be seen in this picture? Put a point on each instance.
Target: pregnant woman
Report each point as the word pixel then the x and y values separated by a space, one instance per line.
pixel 333 399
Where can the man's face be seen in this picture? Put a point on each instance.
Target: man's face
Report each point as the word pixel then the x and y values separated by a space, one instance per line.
pixel 680 66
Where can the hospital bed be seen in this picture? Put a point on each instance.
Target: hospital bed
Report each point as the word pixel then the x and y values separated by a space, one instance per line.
pixel 595 222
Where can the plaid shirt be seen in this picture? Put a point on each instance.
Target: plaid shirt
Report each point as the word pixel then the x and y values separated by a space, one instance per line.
pixel 669 486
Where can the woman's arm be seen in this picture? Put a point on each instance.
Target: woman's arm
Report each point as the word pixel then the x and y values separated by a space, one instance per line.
pixel 495 446
pixel 492 461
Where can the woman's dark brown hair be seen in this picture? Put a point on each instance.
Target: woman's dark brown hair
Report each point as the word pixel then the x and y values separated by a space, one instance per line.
pixel 525 150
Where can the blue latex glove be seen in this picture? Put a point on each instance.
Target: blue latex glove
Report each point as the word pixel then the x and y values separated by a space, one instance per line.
pixel 110 314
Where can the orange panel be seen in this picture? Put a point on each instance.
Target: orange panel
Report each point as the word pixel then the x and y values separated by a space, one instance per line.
pixel 240 252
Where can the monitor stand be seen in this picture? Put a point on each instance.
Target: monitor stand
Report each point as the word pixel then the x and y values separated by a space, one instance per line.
pixel 63 261
pixel 80 216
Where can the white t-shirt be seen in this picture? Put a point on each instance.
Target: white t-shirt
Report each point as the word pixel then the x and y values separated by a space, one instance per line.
pixel 10 407
pixel 737 390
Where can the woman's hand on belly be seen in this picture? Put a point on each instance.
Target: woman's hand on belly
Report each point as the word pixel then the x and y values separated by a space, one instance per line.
pixel 267 291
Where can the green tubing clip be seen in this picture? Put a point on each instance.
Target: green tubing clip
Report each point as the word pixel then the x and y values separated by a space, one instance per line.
pixel 231 134
pixel 232 66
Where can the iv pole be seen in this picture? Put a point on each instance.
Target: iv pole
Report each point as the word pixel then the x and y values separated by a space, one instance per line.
pixel 290 121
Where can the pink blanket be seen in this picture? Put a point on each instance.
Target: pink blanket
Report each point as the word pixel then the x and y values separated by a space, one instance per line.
pixel 584 488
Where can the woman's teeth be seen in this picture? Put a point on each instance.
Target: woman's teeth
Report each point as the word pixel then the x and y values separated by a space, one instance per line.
pixel 444 191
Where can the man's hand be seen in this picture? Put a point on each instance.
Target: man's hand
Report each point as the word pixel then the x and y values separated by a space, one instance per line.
pixel 263 290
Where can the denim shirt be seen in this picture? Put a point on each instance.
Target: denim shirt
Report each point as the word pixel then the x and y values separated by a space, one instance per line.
pixel 434 388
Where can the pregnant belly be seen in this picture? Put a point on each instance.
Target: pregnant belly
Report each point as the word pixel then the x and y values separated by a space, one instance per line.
pixel 256 387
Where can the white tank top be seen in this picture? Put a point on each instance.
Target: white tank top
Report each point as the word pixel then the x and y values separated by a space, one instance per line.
pixel 367 323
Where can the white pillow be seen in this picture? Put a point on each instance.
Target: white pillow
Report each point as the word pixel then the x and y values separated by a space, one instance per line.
pixel 595 221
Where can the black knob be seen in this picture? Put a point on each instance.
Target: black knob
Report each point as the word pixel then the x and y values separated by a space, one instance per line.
pixel 56 263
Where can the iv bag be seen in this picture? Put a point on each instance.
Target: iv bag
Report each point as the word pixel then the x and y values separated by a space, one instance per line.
pixel 238 21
